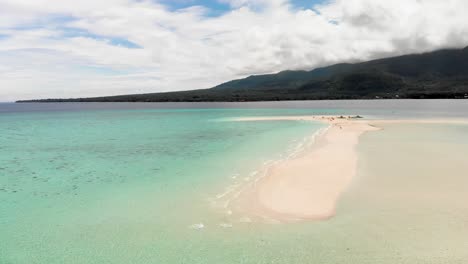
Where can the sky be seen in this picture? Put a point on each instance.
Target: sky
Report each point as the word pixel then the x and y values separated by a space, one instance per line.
pixel 69 48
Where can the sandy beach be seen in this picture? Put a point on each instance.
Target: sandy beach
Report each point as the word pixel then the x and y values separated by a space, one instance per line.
pixel 309 186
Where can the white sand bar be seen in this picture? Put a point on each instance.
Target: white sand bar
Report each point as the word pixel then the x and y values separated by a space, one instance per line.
pixel 308 187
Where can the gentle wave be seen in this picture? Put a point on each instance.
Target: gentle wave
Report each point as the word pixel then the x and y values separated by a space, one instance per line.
pixel 233 192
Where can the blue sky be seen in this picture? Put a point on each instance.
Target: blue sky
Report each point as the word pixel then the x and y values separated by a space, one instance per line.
pixel 223 5
pixel 216 7
pixel 219 6
pixel 211 4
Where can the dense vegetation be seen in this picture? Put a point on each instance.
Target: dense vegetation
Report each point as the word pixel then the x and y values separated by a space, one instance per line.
pixel 439 74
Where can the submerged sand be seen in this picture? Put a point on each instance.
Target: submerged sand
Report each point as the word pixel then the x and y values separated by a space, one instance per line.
pixel 309 186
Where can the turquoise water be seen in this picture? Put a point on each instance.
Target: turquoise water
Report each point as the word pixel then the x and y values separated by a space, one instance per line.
pixel 112 184
pixel 125 185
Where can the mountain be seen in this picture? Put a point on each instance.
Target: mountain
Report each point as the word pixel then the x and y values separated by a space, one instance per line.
pixel 438 74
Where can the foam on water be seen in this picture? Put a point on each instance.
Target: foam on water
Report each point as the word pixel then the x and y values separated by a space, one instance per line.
pixel 296 147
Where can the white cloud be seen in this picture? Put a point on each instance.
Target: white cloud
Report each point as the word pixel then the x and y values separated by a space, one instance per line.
pixel 187 49
pixel 256 3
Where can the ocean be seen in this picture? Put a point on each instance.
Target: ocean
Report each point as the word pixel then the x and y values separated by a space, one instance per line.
pixel 145 183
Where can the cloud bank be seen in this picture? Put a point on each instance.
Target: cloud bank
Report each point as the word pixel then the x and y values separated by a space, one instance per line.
pixel 65 48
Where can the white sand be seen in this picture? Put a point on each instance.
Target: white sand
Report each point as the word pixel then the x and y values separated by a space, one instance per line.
pixel 308 187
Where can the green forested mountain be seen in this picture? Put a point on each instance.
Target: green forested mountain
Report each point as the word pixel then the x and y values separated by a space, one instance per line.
pixel 439 74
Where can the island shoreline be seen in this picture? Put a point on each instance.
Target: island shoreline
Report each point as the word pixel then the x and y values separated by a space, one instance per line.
pixel 308 187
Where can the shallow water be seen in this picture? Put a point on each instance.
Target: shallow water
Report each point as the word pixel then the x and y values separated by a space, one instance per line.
pixel 119 185
pixel 408 203
pixel 97 186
